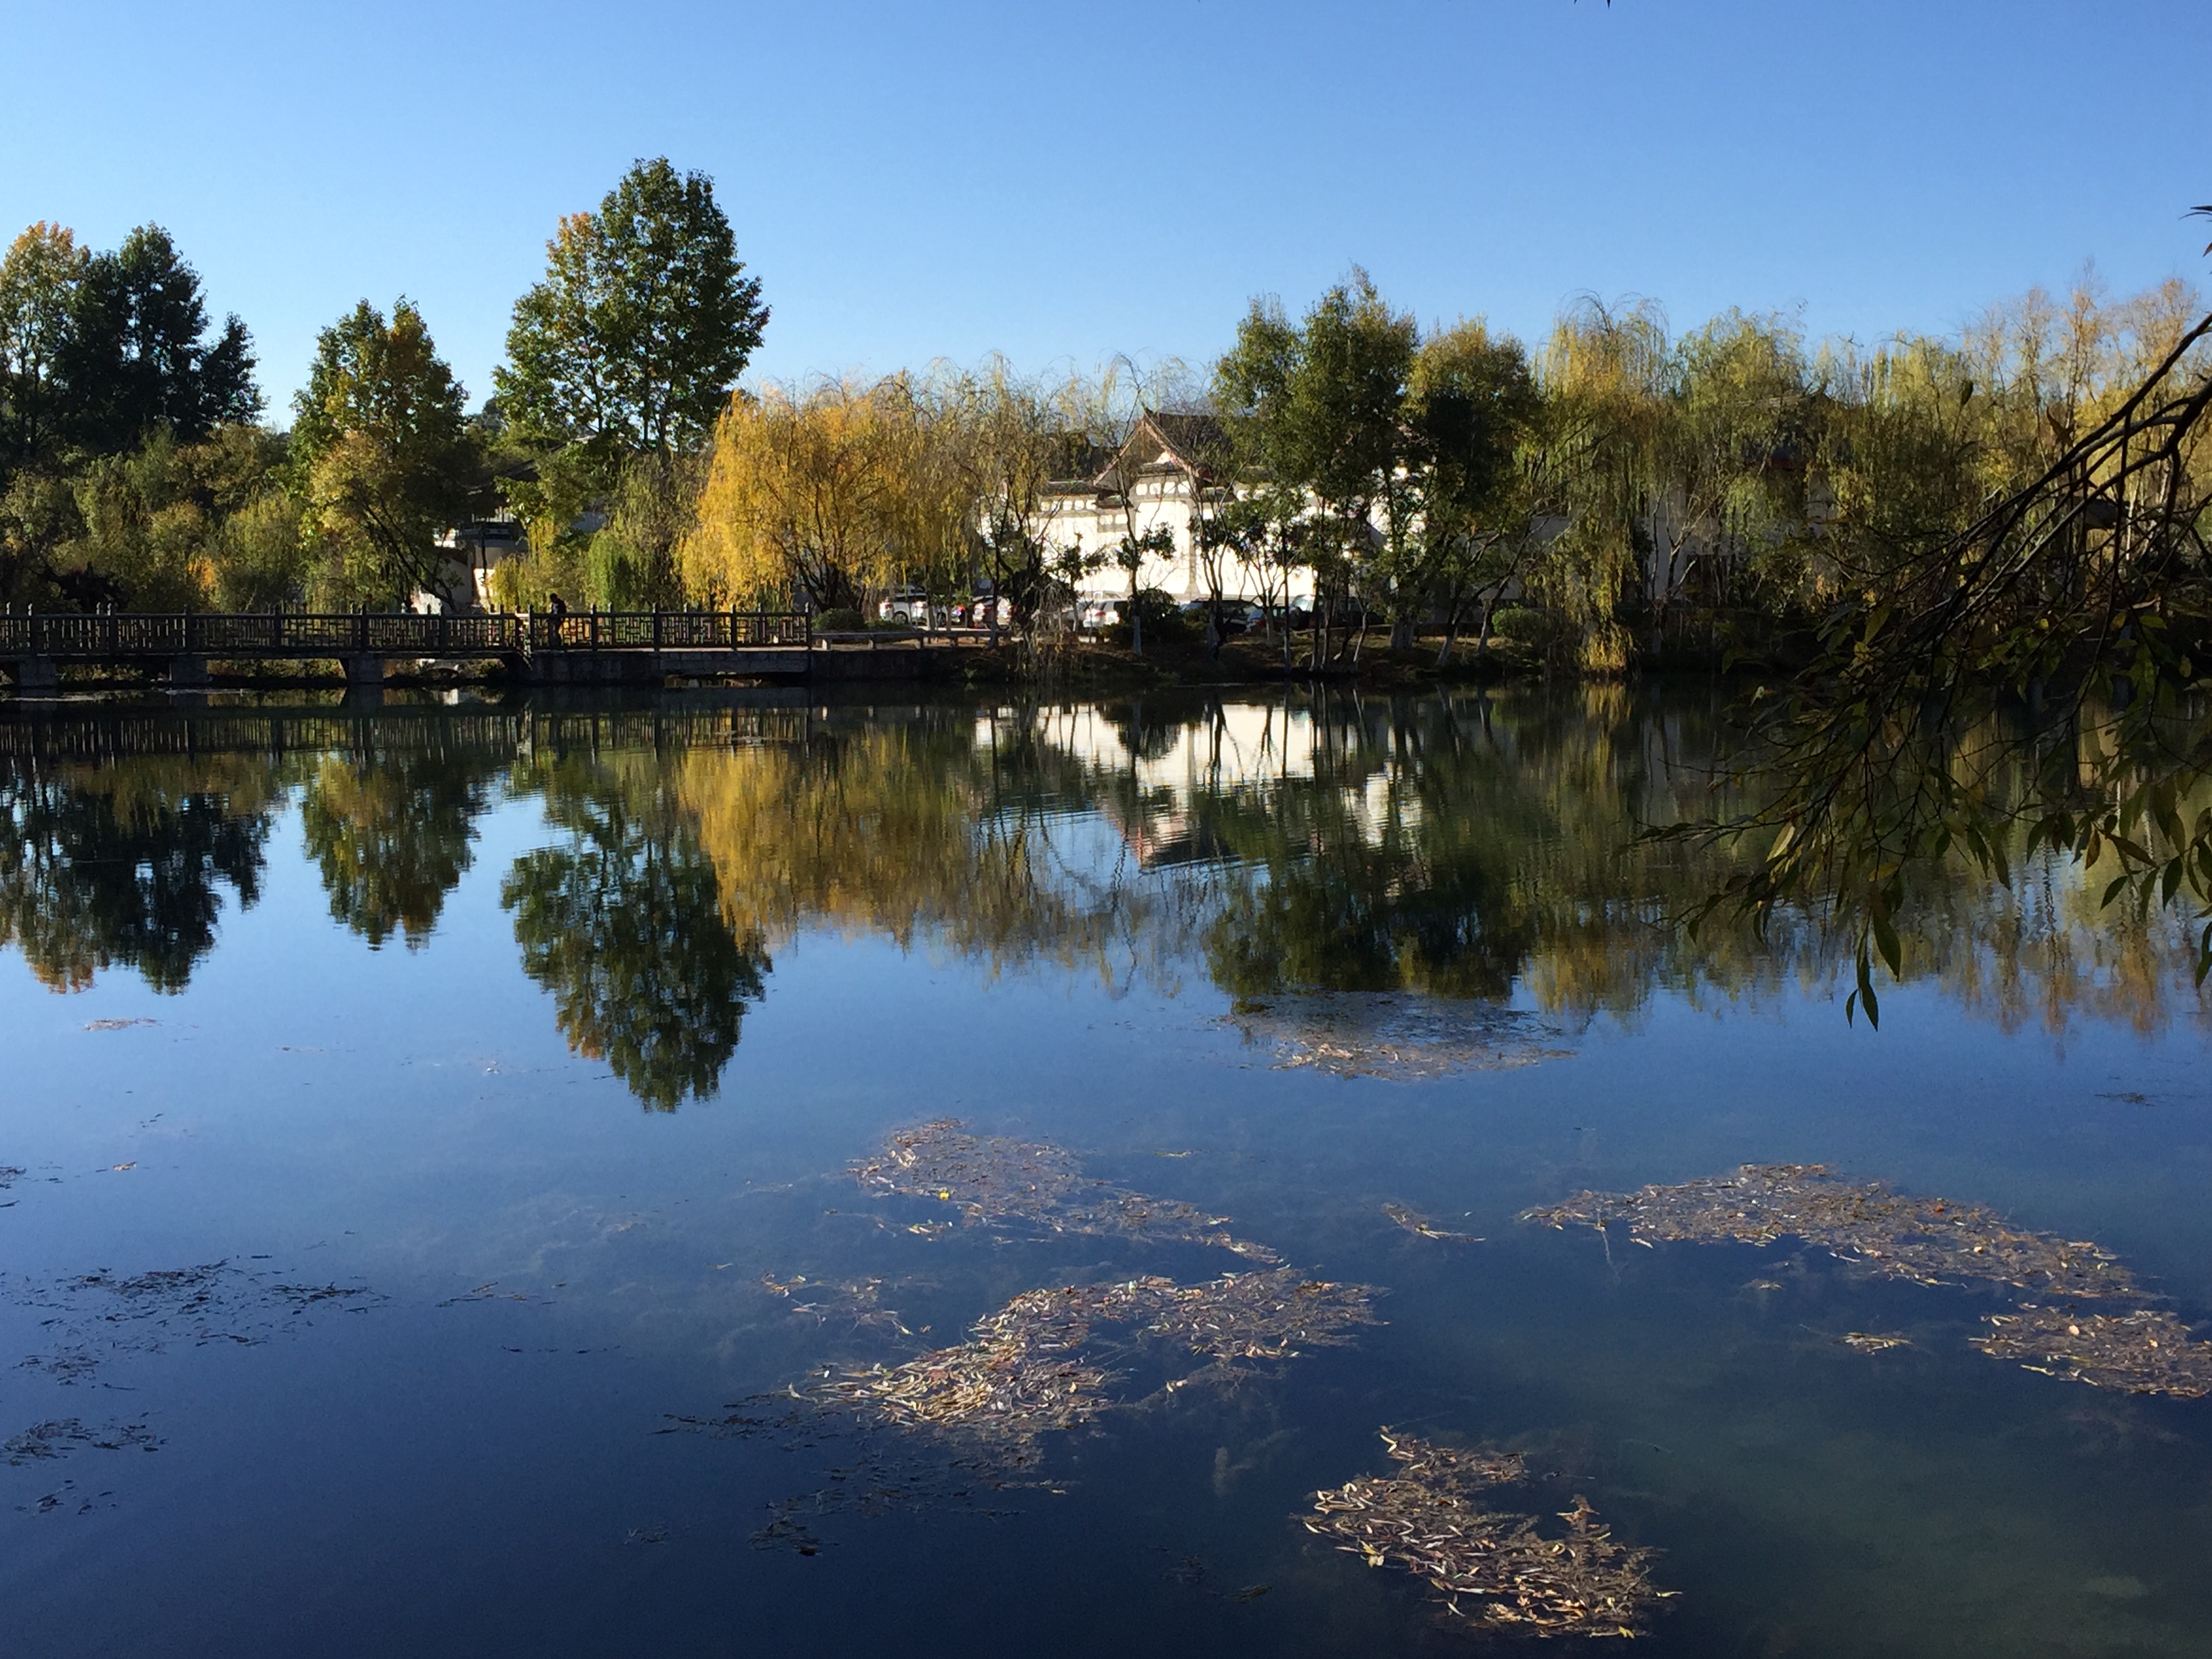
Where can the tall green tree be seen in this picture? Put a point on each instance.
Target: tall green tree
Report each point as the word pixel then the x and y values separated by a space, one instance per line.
pixel 1320 405
pixel 645 319
pixel 1471 403
pixel 136 356
pixel 38 282
pixel 385 457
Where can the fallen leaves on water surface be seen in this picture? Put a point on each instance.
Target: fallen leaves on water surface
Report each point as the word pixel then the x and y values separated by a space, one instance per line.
pixel 1872 1341
pixel 1419 1224
pixel 101 1315
pixel 43 1441
pixel 487 1292
pixel 858 1302
pixel 1036 1364
pixel 115 1024
pixel 1395 1036
pixel 2146 1351
pixel 1495 1567
pixel 962 1421
pixel 1928 1241
pixel 997 1181
pixel 878 1471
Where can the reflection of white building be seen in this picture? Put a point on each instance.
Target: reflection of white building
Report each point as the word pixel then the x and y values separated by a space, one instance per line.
pixel 1164 475
pixel 1236 749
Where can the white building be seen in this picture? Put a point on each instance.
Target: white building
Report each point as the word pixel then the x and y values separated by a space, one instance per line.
pixel 1164 475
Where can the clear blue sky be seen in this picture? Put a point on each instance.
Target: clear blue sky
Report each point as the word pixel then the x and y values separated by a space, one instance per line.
pixel 1063 182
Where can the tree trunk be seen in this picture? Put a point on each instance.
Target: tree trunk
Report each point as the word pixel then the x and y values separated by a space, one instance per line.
pixel 1451 635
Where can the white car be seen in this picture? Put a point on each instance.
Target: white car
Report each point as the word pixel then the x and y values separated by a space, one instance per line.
pixel 977 613
pixel 908 607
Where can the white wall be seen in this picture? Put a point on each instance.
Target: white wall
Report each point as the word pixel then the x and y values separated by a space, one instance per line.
pixel 1160 499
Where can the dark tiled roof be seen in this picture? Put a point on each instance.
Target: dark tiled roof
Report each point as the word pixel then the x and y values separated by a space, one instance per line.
pixel 1196 441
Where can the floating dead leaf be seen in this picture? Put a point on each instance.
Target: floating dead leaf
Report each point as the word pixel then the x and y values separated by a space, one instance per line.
pixel 1872 1341
pixel 2146 1351
pixel 1928 1241
pixel 1494 1567
pixel 1392 1036
pixel 858 1302
pixel 1414 1222
pixel 115 1024
pixel 1000 1182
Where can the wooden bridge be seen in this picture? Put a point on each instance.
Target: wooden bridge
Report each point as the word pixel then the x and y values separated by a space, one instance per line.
pixel 584 648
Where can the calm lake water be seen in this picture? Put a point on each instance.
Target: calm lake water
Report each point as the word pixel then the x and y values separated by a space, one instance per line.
pixel 430 1132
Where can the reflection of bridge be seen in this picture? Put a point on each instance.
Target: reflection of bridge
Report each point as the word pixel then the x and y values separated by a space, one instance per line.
pixel 591 648
pixel 35 733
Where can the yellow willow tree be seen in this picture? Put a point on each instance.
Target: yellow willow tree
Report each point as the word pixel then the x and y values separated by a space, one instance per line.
pixel 1603 377
pixel 821 496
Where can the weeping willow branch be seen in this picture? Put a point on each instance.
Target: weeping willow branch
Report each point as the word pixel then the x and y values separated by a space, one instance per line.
pixel 2032 682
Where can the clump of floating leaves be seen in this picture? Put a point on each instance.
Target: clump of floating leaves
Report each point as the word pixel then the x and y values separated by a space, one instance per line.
pixel 1042 1362
pixel 1386 1034
pixel 2147 1350
pixel 1928 1241
pixel 1501 1569
pixel 1422 1227
pixel 997 1181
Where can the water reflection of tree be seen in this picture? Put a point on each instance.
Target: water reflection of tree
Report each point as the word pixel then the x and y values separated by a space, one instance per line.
pixel 622 923
pixel 1458 848
pixel 1463 848
pixel 946 830
pixel 122 864
pixel 391 833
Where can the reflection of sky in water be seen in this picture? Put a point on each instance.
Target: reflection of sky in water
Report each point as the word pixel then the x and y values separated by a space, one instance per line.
pixel 462 1466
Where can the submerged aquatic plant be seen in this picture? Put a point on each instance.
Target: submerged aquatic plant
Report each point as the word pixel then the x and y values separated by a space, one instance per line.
pixel 997 1181
pixel 1381 1034
pixel 1495 1567
pixel 1928 1241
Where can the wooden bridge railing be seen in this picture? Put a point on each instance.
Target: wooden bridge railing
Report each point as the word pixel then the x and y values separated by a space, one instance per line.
pixel 668 630
pixel 121 636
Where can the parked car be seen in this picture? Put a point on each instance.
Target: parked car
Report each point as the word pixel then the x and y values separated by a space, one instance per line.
pixel 906 607
pixel 977 613
pixel 1101 613
pixel 1235 618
